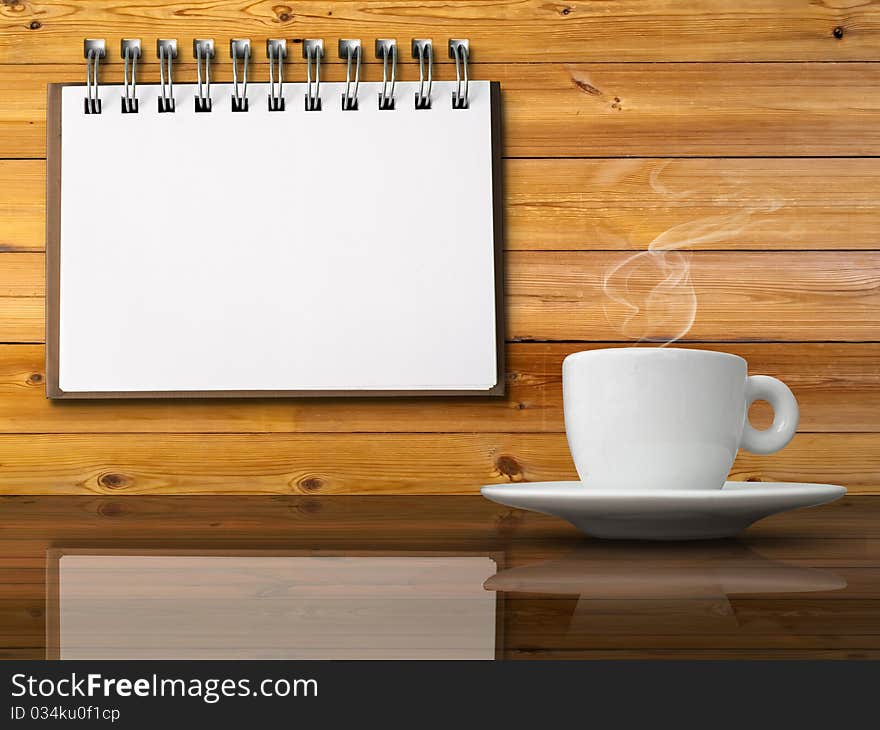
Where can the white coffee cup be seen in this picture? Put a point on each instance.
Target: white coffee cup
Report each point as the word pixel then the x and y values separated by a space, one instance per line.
pixel 667 418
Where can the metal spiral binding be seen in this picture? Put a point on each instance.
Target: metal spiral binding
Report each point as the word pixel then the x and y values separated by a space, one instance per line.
pixel 276 50
pixel 204 49
pixel 240 48
pixel 351 50
pixel 130 48
pixel 313 48
pixel 166 50
pixel 423 49
pixel 385 49
pixel 459 49
pixel 94 49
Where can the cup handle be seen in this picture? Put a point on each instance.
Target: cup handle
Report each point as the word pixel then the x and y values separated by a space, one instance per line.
pixel 785 415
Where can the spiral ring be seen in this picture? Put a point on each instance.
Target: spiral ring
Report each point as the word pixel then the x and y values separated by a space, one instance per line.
pixel 167 51
pixel 384 49
pixel 458 49
pixel 351 50
pixel 313 49
pixel 424 51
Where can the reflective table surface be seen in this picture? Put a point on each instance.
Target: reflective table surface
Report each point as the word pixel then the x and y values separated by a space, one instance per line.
pixel 422 577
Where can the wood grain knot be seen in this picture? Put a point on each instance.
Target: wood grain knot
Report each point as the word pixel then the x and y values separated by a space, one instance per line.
pixel 35 25
pixel 284 13
pixel 566 10
pixel 114 481
pixel 35 379
pixel 110 509
pixel 14 5
pixel 838 32
pixel 587 87
pixel 309 506
pixel 310 484
pixel 512 376
pixel 509 467
pixel 34 612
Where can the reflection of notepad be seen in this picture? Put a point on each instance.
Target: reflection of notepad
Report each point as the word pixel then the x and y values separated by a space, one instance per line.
pixel 274 253
pixel 273 607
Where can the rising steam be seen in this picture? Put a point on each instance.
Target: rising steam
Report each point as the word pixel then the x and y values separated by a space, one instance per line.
pixel 650 295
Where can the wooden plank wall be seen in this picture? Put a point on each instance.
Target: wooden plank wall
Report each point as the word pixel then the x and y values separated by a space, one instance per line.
pixel 738 139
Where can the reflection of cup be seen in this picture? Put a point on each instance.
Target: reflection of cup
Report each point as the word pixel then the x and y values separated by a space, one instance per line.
pixel 634 596
pixel 667 418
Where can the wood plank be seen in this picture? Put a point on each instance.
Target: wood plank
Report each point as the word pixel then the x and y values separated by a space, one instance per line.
pixel 844 533
pixel 509 30
pixel 595 110
pixel 23 205
pixel 582 204
pixel 801 296
pixel 686 110
pixel 837 386
pixel 362 463
pixel 591 295
pixel 701 204
pixel 22 319
pixel 22 275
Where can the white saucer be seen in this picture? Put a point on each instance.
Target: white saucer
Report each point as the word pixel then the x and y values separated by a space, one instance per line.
pixel 662 515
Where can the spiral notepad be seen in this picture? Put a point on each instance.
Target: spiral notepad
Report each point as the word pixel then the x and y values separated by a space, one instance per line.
pixel 274 236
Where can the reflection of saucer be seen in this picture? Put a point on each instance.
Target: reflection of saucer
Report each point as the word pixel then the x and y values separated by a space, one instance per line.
pixel 663 574
pixel 662 515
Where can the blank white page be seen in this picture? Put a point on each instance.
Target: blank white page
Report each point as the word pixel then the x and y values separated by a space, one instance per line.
pixel 277 251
